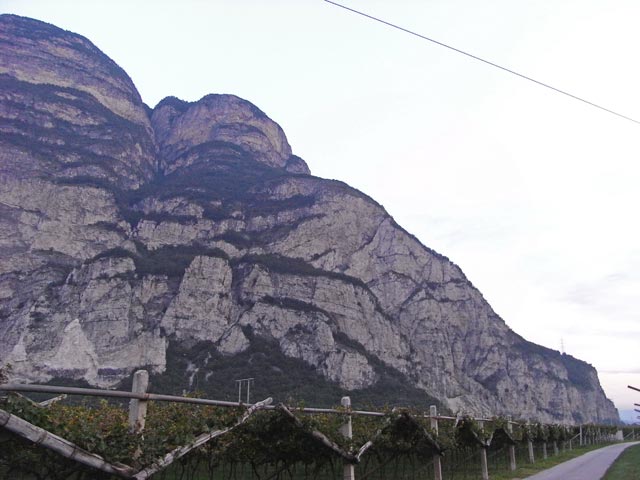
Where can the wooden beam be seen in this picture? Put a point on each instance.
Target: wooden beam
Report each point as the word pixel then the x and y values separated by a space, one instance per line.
pixel 69 450
pixel 51 401
pixel 94 392
pixel 179 452
pixel 320 437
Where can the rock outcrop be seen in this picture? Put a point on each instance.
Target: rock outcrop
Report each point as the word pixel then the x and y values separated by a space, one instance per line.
pixel 122 232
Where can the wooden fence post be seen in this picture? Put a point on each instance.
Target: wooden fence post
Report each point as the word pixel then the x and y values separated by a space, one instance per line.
pixel 532 458
pixel 512 448
pixel 348 471
pixel 483 456
pixel 437 466
pixel 138 408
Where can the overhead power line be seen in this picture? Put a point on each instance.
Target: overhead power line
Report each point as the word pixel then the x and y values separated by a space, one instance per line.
pixel 397 27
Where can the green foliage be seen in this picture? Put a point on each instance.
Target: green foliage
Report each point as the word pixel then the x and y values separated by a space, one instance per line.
pixel 273 438
pixel 240 240
pixel 222 172
pixel 98 142
pixel 293 304
pixel 171 261
pixel 117 252
pixel 283 378
pixel 268 206
pixel 297 266
pixel 468 432
pixel 540 433
pixel 558 433
pixel 407 435
pixel 269 440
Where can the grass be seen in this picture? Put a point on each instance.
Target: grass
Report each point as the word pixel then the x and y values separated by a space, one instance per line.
pixel 402 469
pixel 527 469
pixel 626 467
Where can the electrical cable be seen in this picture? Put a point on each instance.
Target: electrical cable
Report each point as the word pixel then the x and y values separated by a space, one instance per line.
pixel 575 97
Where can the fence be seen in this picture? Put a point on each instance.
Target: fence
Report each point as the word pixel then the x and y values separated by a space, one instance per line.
pixel 489 442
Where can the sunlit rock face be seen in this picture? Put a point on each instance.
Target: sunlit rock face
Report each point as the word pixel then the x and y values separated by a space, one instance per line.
pixel 123 230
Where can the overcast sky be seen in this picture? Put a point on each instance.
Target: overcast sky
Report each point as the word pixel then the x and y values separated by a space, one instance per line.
pixel 533 194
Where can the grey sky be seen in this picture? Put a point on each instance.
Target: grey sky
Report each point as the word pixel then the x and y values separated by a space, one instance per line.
pixel 533 194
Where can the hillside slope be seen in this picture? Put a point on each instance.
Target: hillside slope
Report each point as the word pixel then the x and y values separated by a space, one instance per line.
pixel 130 234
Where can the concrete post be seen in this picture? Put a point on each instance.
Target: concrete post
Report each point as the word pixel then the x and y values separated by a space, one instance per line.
pixel 138 408
pixel 437 466
pixel 544 451
pixel 348 471
pixel 512 448
pixel 580 435
pixel 483 457
pixel 532 458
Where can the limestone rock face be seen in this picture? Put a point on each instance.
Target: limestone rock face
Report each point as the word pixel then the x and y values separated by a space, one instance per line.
pixel 203 300
pixel 217 123
pixel 74 130
pixel 83 115
pixel 122 235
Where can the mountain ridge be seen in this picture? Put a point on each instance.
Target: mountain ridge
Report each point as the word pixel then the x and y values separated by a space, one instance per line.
pixel 193 223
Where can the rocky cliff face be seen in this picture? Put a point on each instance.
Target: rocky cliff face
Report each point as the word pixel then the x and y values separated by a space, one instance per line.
pixel 123 233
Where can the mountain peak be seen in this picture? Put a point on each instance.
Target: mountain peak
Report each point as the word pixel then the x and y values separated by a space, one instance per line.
pixel 41 53
pixel 235 256
pixel 217 121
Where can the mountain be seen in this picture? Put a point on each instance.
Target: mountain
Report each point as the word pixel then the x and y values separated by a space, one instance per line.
pixel 629 417
pixel 188 239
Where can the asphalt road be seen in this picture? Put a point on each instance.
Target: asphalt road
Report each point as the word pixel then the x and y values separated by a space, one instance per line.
pixel 590 466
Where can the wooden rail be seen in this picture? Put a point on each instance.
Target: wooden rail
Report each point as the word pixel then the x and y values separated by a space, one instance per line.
pixel 93 392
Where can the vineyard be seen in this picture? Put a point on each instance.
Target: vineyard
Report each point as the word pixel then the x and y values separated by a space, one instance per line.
pixel 171 440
